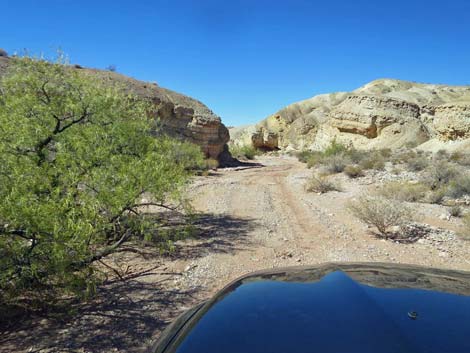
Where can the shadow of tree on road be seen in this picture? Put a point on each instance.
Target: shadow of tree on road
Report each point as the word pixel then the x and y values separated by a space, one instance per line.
pixel 127 313
pixel 216 234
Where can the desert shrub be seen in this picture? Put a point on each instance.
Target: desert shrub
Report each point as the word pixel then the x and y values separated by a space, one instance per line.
pixel 303 156
pixel 441 155
pixel 455 211
pixel 460 158
pixel 353 171
pixel 436 196
pixel 321 185
pixel 403 156
pixel 374 160
pixel 244 152
pixel 335 148
pixel 458 187
pixel 412 144
pixel 77 158
pixel 440 173
pixel 417 163
pixel 381 213
pixel 335 163
pixel 403 191
pixel 386 152
pixel 315 159
pixel 356 156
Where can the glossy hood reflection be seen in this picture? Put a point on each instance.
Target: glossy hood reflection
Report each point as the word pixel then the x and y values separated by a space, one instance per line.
pixel 333 309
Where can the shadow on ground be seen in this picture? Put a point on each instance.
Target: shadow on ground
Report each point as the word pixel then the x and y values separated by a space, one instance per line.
pixel 127 313
pixel 240 165
pixel 216 234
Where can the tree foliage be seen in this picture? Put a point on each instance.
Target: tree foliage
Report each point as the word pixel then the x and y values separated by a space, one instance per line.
pixel 77 158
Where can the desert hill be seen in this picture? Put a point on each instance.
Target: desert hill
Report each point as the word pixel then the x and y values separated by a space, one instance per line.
pixel 383 113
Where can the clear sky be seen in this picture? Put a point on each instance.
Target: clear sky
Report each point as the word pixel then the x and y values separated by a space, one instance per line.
pixel 245 59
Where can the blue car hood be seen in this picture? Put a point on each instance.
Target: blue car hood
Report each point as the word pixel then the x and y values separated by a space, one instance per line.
pixel 349 308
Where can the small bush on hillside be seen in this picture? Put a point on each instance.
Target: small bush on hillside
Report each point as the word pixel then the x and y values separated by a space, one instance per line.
pixel 412 144
pixel 403 156
pixel 417 163
pixel 321 185
pixel 403 191
pixel 460 186
pixel 455 211
pixel 356 156
pixel 436 196
pixel 440 173
pixel 335 148
pixel 303 156
pixel 386 152
pixel 335 163
pixel 353 171
pixel 441 155
pixel 374 160
pixel 315 159
pixel 381 213
pixel 461 158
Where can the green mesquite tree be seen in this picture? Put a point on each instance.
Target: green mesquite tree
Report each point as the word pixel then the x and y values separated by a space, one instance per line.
pixel 76 158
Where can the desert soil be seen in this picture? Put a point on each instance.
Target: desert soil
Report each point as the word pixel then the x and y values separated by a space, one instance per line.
pixel 253 217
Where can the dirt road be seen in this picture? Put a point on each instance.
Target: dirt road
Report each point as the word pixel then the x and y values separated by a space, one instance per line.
pixel 251 218
pixel 285 225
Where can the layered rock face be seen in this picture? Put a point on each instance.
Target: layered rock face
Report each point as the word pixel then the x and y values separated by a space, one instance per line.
pixel 451 121
pixel 180 116
pixel 382 114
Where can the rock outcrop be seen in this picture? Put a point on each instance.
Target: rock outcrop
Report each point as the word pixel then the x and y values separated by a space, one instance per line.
pixel 383 113
pixel 180 116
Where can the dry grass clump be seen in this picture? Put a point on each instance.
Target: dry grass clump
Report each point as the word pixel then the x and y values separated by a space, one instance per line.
pixel 460 158
pixel 353 171
pixel 436 196
pixel 456 211
pixel 403 156
pixel 381 213
pixel 304 155
pixel 460 186
pixel 314 159
pixel 335 163
pixel 441 155
pixel 321 184
pixel 417 163
pixel 441 173
pixel 403 191
pixel 373 160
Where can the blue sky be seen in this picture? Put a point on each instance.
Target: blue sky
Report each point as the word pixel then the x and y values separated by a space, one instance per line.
pixel 246 59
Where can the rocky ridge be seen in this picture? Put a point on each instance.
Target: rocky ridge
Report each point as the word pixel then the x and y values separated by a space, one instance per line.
pixel 180 116
pixel 380 114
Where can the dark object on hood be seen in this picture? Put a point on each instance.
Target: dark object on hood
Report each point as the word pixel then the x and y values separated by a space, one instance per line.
pixel 332 308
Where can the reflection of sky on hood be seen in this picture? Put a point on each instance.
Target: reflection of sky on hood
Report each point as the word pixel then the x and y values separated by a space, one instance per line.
pixel 335 314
